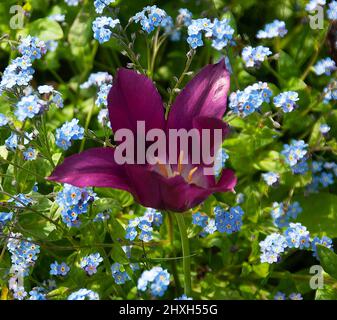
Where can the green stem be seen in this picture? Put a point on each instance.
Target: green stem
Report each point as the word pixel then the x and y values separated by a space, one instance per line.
pixel 186 253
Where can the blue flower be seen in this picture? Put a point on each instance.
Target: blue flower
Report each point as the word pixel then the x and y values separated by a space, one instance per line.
pixel 313 5
pixel 72 3
pixel 297 236
pixel 228 222
pixel 220 161
pixel 272 247
pixel 3 120
pixel 295 296
pixel 222 34
pixel 100 5
pixel 19 293
pixel 324 241
pixel 332 11
pixel 195 40
pixel 326 179
pixel 84 294
pixel 158 278
pixel 97 79
pixel 30 154
pixel 184 17
pixel 151 17
pixel 24 253
pixel 274 29
pixel 19 73
pixel 68 132
pixel 90 263
pixel 294 152
pixel 271 178
pixel 286 100
pixel 324 128
pixel 101 27
pixel 184 297
pixel 330 91
pixel 279 296
pixel 253 57
pixel 325 66
pixel 244 103
pixel 5 217
pixel 199 219
pixel 32 48
pixel 37 294
pixel 28 107
pixel 119 274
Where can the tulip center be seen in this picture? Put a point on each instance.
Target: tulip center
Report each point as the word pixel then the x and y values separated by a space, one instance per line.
pixel 170 171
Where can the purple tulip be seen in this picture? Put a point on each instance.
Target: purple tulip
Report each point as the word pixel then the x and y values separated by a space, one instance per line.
pixel 176 187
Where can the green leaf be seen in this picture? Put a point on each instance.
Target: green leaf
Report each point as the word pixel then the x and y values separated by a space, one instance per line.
pixel 326 293
pixel 319 213
pixel 46 29
pixel 328 260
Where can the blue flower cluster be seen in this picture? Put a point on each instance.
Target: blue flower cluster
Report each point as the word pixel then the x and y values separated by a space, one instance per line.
pixel 5 217
pixel 57 269
pixel 295 152
pixel 330 91
pixel 18 73
pixel 312 5
pixel 84 294
pixel 271 178
pixel 67 133
pixel 100 5
pixel 245 102
pixel 119 274
pixel 228 221
pixel 332 11
pixel 293 296
pixel 144 224
pixel 3 120
pixel 184 17
pixel 32 48
pixel 102 96
pixel 219 31
pixel 220 161
pixel 158 278
pixel 282 214
pixel 253 57
pixel 272 247
pixel 90 263
pixel 297 236
pixel 274 29
pixel 324 241
pixel 72 3
pixel 11 142
pixel 102 26
pixel 325 66
pixel 150 18
pixel 323 175
pixel 97 79
pixel 24 253
pixel 225 221
pixel 30 154
pixel 74 201
pixel 37 293
pixel 28 107
pixel 286 100
pixel 184 297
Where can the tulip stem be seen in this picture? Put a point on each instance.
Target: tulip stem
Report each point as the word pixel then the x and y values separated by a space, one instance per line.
pixel 186 253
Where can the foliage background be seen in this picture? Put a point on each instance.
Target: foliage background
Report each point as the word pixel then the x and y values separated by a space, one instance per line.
pixel 223 267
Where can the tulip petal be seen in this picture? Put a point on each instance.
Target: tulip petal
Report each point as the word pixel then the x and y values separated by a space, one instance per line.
pixel 133 97
pixel 226 183
pixel 204 95
pixel 92 168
